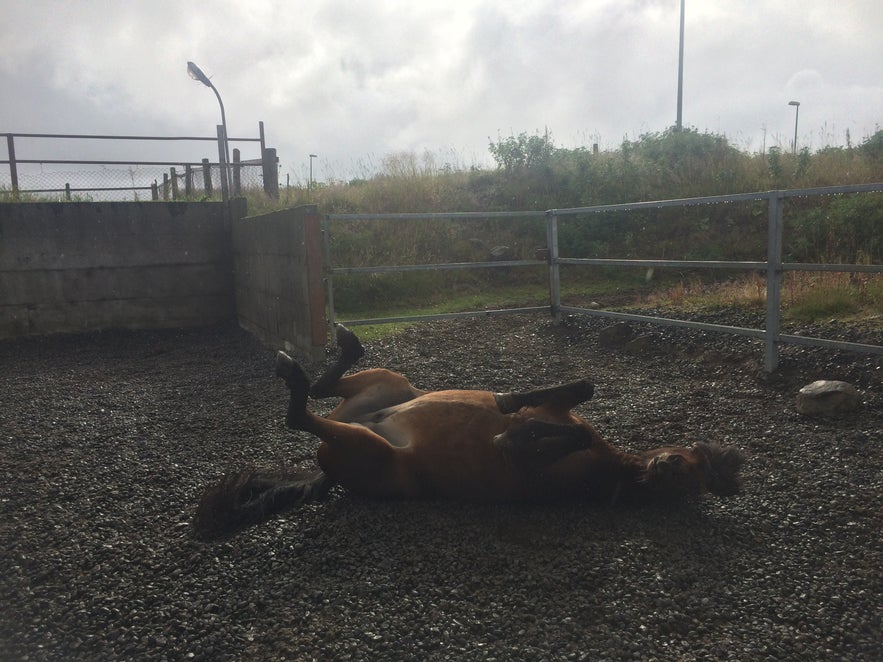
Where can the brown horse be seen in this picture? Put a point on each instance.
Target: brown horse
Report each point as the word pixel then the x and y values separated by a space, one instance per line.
pixel 387 438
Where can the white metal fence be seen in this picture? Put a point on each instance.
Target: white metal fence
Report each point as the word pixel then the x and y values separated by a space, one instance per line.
pixel 773 266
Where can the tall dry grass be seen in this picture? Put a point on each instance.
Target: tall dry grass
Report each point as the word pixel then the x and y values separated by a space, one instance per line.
pixel 533 174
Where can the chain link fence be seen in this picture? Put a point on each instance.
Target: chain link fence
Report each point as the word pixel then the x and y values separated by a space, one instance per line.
pixel 120 180
pixel 135 183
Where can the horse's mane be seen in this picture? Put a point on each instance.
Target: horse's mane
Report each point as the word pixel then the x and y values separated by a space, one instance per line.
pixel 722 468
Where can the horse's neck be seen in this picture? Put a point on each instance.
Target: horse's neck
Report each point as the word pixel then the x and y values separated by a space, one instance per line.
pixel 632 476
pixel 633 486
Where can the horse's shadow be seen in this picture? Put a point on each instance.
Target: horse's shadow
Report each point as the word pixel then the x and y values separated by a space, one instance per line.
pixel 491 534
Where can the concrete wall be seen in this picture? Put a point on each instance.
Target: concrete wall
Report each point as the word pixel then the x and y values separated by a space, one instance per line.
pixel 67 267
pixel 278 279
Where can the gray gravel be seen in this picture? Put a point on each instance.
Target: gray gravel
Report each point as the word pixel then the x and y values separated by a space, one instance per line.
pixel 107 439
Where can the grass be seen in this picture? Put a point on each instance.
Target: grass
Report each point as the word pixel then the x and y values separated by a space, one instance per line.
pixel 535 175
pixel 806 296
pixel 611 287
pixel 500 297
pixel 810 296
pixel 802 302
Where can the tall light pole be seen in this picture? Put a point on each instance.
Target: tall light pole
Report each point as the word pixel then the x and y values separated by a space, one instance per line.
pixel 680 122
pixel 796 105
pixel 310 188
pixel 196 74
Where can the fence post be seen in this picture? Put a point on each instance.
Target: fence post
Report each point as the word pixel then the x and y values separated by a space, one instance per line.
pixel 329 279
pixel 188 181
pixel 314 250
pixel 165 186
pixel 554 269
pixel 207 177
pixel 13 168
pixel 237 175
pixel 174 177
pixel 154 192
pixel 67 192
pixel 222 160
pixel 271 174
pixel 773 282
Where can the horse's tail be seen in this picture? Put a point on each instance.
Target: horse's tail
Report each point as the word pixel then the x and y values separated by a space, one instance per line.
pixel 249 496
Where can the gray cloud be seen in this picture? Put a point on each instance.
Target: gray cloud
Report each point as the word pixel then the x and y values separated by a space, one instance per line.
pixel 353 82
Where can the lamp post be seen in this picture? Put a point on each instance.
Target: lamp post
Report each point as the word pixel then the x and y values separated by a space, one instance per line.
pixel 196 74
pixel 796 105
pixel 680 119
pixel 310 188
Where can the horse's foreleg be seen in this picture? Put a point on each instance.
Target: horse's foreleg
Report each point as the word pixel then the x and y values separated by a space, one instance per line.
pixel 538 443
pixel 563 397
pixel 351 351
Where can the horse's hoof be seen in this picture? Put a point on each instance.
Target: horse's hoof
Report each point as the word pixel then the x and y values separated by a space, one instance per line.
pixel 586 390
pixel 284 365
pixel 506 403
pixel 350 346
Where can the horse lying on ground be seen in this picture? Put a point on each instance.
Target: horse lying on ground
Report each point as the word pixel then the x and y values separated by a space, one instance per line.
pixel 387 438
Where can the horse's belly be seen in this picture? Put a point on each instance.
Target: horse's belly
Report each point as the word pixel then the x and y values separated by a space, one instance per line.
pixel 442 445
pixel 461 467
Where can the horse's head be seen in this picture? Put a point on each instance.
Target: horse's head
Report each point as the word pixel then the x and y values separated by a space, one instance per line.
pixel 684 471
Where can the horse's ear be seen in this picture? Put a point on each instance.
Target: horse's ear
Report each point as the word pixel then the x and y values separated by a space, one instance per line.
pixel 721 468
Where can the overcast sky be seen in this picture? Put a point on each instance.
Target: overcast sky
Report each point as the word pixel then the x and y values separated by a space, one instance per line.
pixel 353 81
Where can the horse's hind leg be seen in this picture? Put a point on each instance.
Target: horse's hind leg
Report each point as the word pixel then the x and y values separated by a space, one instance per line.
pixel 563 397
pixel 538 443
pixel 369 391
pixel 299 385
pixel 351 351
pixel 351 454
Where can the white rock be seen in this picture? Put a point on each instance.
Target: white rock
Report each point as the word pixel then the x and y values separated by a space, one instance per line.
pixel 825 397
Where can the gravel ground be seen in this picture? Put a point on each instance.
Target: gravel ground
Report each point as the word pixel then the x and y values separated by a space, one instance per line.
pixel 108 439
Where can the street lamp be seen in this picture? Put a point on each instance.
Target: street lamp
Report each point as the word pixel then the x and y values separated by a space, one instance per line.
pixel 196 74
pixel 796 105
pixel 680 122
pixel 310 188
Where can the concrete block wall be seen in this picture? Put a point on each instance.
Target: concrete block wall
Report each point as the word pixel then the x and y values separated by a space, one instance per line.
pixel 278 279
pixel 69 267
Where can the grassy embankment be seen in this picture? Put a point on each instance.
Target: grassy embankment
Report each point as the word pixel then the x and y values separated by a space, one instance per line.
pixel 533 174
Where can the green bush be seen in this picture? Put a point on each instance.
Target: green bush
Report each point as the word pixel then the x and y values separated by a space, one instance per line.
pixel 844 228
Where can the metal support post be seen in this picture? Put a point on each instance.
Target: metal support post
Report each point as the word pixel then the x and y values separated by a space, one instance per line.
pixel 329 280
pixel 554 268
pixel 237 175
pixel 222 160
pixel 13 168
pixel 773 282
pixel 207 178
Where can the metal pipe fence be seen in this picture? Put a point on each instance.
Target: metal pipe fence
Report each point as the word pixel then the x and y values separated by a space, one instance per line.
pixel 773 267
